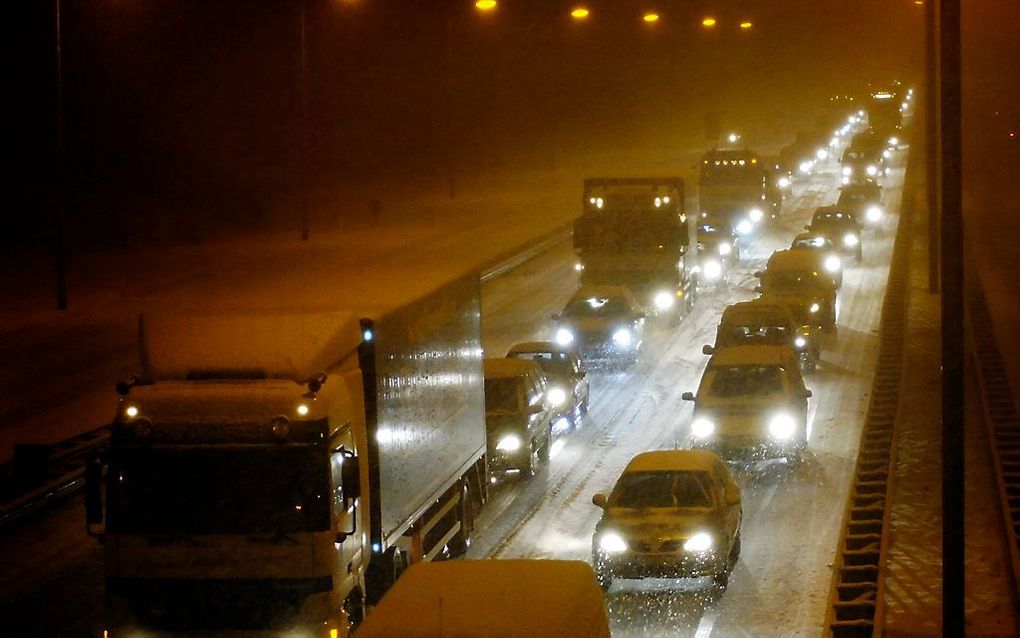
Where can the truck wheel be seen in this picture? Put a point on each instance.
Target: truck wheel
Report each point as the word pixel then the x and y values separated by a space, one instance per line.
pixel 461 541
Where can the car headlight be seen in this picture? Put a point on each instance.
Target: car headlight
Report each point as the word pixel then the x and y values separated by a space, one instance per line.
pixel 814 307
pixel 663 301
pixel 894 141
pixel 557 396
pixel 700 542
pixel 887 153
pixel 847 170
pixel 850 240
pixel 800 342
pixel 874 213
pixel 712 270
pixel 833 264
pixel 782 427
pixel 844 180
pixel 564 337
pixel 578 266
pixel 872 170
pixel 805 167
pixel 612 543
pixel 784 182
pixel 725 249
pixel 509 443
pixel 822 154
pixel 756 214
pixel 702 427
pixel 623 337
pixel 744 226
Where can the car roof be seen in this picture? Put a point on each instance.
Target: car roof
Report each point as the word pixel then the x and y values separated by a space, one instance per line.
pixel 759 305
pixel 788 258
pixel 665 460
pixel 539 346
pixel 751 355
pixel 504 368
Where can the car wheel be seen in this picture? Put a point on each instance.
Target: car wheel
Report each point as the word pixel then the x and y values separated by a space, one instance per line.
pixel 530 465
pixel 584 404
pixel 544 452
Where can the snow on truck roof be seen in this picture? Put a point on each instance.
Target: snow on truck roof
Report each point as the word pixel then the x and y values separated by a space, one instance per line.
pixel 673 460
pixel 279 345
pixel 492 598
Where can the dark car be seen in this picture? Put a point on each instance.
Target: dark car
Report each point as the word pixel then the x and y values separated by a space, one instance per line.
pixel 794 276
pixel 517 416
pixel 718 250
pixel 841 227
pixel 672 514
pixel 864 201
pixel 829 260
pixel 768 322
pixel 565 375
pixel 604 323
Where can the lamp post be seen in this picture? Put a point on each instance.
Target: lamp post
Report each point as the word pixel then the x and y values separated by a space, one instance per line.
pixel 303 125
pixel 60 240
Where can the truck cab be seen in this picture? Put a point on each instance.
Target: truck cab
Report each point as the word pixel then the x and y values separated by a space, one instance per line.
pixel 737 186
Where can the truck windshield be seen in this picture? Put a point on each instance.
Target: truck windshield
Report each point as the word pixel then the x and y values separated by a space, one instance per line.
pixel 219 489
pixel 743 381
pixel 596 306
pixel 681 489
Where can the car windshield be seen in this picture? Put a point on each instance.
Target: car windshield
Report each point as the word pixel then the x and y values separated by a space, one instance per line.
pixel 673 489
pixel 596 306
pixel 501 395
pixel 854 197
pixel 793 281
pixel 745 380
pixel 753 330
pixel 814 243
pixel 822 219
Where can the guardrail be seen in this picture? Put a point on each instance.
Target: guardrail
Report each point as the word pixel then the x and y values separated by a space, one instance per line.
pixel 42 475
pixel 856 606
pixel 1001 418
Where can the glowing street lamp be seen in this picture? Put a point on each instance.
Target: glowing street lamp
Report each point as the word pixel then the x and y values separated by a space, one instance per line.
pixel 651 17
pixel 485 5
pixel 746 25
pixel 708 22
pixel 580 13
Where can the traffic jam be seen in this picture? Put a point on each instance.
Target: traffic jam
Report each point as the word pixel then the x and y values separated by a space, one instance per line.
pixel 642 262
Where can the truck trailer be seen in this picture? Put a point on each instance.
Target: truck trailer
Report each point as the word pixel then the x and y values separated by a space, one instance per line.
pixel 635 232
pixel 277 470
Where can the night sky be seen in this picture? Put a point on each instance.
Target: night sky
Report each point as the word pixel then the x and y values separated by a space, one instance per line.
pixel 189 112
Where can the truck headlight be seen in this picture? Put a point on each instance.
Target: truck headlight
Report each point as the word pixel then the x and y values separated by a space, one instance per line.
pixel 612 543
pixel 712 270
pixel 564 337
pixel 887 153
pixel 782 427
pixel 509 443
pixel 725 249
pixel 894 141
pixel 874 213
pixel 623 337
pixel 578 266
pixel 850 240
pixel 663 301
pixel 700 542
pixel 784 182
pixel 805 167
pixel 557 397
pixel 744 226
pixel 833 264
pixel 822 154
pixel 847 171
pixel 872 170
pixel 702 427
pixel 755 214
pixel 799 342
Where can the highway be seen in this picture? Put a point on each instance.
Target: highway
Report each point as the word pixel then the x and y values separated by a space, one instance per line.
pixel 791 517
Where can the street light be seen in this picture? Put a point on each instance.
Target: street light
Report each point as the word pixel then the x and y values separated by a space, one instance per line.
pixel 746 25
pixel 651 17
pixel 580 13
pixel 708 22
pixel 485 5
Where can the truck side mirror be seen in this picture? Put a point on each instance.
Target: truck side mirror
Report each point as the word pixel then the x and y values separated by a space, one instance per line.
pixel 599 500
pixel 350 476
pixel 94 523
pixel 757 274
pixel 687 396
pixel 707 349
pixel 807 394
pixel 807 226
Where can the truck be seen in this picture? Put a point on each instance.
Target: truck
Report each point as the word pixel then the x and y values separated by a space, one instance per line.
pixel 522 597
pixel 635 232
pixel 277 470
pixel 737 189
